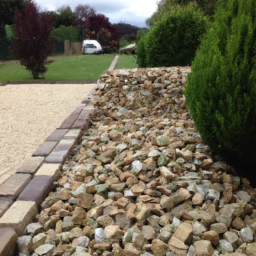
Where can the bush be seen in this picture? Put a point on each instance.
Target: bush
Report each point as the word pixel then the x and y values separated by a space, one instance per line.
pixel 221 90
pixel 174 39
pixel 66 33
pixel 141 52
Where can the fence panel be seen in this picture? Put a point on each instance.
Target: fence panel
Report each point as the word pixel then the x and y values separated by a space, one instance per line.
pixel 5 46
pixel 59 49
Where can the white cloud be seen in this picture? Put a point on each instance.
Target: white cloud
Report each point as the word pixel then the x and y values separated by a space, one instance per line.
pixel 131 11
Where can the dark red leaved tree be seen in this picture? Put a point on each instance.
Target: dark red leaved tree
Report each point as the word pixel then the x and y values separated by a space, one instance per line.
pixel 81 14
pixel 103 31
pixel 32 42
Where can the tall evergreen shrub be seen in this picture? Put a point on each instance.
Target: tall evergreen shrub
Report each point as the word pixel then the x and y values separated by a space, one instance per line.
pixel 141 52
pixel 221 90
pixel 174 39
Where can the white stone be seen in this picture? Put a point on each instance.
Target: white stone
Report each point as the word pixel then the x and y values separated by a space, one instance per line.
pixel 243 196
pixel 246 234
pixel 99 235
pixel 43 249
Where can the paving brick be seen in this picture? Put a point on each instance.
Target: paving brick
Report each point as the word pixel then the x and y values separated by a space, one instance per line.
pixel 8 238
pixel 86 100
pixel 52 170
pixel 45 148
pixel 83 119
pixel 4 177
pixel 60 152
pixel 89 106
pixel 57 135
pixel 94 90
pixel 12 187
pixel 72 134
pixel 31 165
pixel 4 205
pixel 18 216
pixel 67 123
pixel 37 190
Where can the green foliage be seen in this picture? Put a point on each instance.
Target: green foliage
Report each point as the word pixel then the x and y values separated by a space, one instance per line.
pixel 174 39
pixel 66 33
pixel 141 52
pixel 165 6
pixel 7 10
pixel 123 43
pixel 9 31
pixel 63 17
pixel 221 90
pixel 141 33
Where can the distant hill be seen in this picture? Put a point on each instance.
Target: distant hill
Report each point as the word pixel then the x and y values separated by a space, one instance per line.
pixel 126 29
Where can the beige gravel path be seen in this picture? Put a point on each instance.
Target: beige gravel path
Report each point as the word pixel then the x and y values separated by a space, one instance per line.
pixel 28 114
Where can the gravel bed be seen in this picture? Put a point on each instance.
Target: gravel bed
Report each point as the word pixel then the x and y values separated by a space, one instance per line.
pixel 142 182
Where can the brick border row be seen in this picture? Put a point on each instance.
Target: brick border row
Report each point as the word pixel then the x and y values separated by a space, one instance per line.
pixel 22 194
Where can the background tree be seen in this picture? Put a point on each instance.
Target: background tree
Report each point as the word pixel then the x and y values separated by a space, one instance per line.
pixel 82 14
pixel 102 30
pixel 66 33
pixel 32 42
pixel 221 90
pixel 64 17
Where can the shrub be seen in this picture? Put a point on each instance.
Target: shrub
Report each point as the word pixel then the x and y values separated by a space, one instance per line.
pixel 221 90
pixel 174 39
pixel 32 42
pixel 66 33
pixel 141 52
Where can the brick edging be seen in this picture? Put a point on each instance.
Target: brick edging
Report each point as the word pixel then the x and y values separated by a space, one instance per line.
pixel 22 194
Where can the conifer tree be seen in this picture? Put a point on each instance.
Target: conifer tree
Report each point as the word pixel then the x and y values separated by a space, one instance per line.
pixel 221 90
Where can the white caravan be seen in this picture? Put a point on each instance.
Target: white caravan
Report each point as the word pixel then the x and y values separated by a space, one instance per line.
pixel 91 46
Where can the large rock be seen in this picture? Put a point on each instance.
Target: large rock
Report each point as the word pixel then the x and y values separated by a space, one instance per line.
pixel 203 248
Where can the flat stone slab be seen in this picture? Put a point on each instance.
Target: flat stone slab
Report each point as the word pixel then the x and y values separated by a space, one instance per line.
pixel 12 187
pixel 52 170
pixel 86 100
pixel 4 205
pixel 57 135
pixel 72 134
pixel 60 152
pixel 89 106
pixel 45 148
pixel 83 119
pixel 37 190
pixel 31 165
pixel 8 239
pixel 67 123
pixel 18 216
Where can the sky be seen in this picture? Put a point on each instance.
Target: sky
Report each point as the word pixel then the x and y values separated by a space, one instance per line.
pixel 133 12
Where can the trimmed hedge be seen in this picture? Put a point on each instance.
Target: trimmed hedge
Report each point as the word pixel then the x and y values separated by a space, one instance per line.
pixel 174 39
pixel 221 90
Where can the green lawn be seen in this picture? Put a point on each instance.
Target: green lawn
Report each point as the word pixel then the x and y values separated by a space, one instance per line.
pixel 126 61
pixel 81 67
